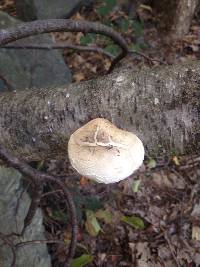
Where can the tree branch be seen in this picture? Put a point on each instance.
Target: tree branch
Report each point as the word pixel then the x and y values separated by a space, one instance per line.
pixel 59 45
pixel 161 105
pixel 64 45
pixel 59 25
pixel 62 25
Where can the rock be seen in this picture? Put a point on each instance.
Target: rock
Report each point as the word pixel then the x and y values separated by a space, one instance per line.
pixel 34 68
pixel 45 9
pixel 11 220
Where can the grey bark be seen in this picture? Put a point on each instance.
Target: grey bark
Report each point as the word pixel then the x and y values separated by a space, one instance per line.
pixel 161 105
pixel 175 16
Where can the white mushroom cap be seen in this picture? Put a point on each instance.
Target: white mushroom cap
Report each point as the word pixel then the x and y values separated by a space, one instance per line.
pixel 104 153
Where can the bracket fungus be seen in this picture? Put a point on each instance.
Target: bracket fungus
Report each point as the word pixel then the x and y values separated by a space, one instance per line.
pixel 104 153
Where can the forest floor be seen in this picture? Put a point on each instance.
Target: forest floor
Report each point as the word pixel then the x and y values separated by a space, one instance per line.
pixel 151 219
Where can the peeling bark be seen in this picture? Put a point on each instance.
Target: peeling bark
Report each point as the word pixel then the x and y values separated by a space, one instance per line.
pixel 161 105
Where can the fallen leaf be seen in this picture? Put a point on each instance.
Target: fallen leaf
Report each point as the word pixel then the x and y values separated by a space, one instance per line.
pixel 176 161
pixel 136 185
pixel 82 260
pixel 196 232
pixel 79 77
pixel 78 16
pixel 141 254
pixel 92 224
pixel 151 163
pixel 146 7
pixel 104 215
pixel 134 221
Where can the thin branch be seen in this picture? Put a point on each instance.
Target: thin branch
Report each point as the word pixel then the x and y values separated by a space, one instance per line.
pixel 50 241
pixel 116 60
pixel 64 45
pixel 40 177
pixel 51 193
pixel 63 25
pixel 147 57
pixel 59 45
pixel 67 25
pixel 123 54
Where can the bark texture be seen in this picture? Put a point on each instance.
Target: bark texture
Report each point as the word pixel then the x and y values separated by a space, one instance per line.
pixel 161 105
pixel 175 16
pixel 59 25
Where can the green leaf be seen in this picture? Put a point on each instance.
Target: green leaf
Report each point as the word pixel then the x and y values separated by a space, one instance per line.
pixel 82 260
pixel 106 8
pixel 151 163
pixel 136 185
pixel 113 49
pixel 104 215
pixel 92 225
pixel 87 39
pixel 134 221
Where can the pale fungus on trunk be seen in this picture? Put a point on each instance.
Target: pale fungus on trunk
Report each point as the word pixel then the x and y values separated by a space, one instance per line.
pixel 104 153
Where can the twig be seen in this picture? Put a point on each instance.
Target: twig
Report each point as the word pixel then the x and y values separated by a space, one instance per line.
pixel 59 45
pixel 64 45
pixel 147 57
pixel 24 243
pixel 40 177
pixel 117 59
pixel 171 248
pixel 51 193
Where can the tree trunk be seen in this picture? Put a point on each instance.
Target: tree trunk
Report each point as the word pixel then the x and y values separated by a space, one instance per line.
pixel 161 105
pixel 175 16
